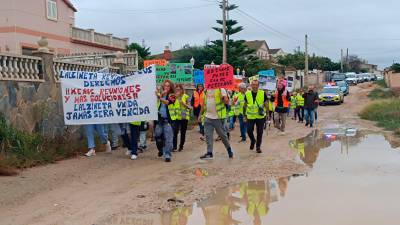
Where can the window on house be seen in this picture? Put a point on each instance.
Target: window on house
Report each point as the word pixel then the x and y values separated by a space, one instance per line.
pixel 51 8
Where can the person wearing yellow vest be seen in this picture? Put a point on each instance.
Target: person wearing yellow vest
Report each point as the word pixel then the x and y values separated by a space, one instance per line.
pixel 215 116
pixel 282 98
pixel 256 105
pixel 300 106
pixel 133 143
pixel 182 112
pixel 197 102
pixel 238 102
pixel 293 104
pixel 166 115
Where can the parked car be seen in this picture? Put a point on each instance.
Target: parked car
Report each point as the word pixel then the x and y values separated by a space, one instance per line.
pixel 338 77
pixel 379 77
pixel 331 95
pixel 351 79
pixel 344 87
pixel 360 78
pixel 373 77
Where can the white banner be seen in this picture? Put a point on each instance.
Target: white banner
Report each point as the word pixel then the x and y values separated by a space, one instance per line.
pixel 102 98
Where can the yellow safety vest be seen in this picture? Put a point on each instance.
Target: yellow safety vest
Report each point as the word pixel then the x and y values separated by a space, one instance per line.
pixel 220 106
pixel 171 109
pixel 181 112
pixel 238 108
pixel 254 107
pixel 300 100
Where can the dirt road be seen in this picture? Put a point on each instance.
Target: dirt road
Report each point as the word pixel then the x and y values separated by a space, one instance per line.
pixel 90 190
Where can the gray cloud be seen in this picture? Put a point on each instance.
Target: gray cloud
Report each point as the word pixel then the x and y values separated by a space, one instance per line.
pixel 366 27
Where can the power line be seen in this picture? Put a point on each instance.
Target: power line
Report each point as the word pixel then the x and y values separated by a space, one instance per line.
pixel 146 11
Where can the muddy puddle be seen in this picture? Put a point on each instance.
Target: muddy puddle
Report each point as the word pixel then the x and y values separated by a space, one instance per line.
pixel 354 179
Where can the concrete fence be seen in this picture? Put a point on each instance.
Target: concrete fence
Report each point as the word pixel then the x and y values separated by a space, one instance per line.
pixel 30 96
pixel 392 79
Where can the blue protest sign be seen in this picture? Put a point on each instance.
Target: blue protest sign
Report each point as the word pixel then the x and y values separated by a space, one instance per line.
pixel 267 73
pixel 198 76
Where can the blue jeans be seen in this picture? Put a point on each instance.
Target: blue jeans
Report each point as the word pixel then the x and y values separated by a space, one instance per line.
pixel 115 133
pixel 309 116
pixel 243 127
pixel 134 139
pixel 164 138
pixel 101 131
pixel 232 121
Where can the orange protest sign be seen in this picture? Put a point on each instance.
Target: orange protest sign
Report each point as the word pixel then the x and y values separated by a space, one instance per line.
pixel 157 62
pixel 236 83
pixel 218 77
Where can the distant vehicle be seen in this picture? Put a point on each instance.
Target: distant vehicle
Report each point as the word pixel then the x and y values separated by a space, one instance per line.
pixel 351 79
pixel 331 95
pixel 373 77
pixel 366 77
pixel 344 87
pixel 360 78
pixel 379 77
pixel 338 77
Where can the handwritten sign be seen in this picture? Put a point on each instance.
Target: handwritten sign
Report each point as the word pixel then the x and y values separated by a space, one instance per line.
pixel 102 98
pixel 256 77
pixel 219 77
pixel 162 74
pixel 157 62
pixel 198 77
pixel 181 72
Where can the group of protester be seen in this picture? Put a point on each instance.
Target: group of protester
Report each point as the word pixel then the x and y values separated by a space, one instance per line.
pixel 215 110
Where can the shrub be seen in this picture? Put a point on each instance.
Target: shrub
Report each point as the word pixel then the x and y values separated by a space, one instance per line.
pixel 379 93
pixel 386 113
pixel 19 149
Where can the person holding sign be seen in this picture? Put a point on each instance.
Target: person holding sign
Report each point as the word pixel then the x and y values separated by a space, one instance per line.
pixel 255 107
pixel 215 116
pixel 238 106
pixel 166 114
pixel 182 112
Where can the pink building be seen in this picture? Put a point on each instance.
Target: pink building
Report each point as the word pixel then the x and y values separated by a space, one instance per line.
pixel 24 22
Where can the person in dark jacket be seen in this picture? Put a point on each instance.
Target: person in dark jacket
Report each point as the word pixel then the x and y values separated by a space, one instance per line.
pixel 310 101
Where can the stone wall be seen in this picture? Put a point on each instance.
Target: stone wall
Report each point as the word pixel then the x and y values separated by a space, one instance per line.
pixel 393 80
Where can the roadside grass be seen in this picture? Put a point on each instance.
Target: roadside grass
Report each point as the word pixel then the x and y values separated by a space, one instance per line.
pixel 381 92
pixel 19 149
pixel 385 112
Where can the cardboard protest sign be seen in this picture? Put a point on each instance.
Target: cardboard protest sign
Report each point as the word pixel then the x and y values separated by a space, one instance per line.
pixel 256 77
pixel 198 77
pixel 162 74
pixel 267 73
pixel 218 77
pixel 181 72
pixel 157 62
pixel 102 98
pixel 236 83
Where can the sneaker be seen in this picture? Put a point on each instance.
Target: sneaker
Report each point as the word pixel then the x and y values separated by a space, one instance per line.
pixel 307 124
pixel 311 125
pixel 259 150
pixel 180 149
pixel 114 148
pixel 282 133
pixel 91 152
pixel 207 156
pixel 168 160
pixel 133 157
pixel 108 147
pixel 160 154
pixel 230 153
pixel 202 138
pixel 252 145
pixel 128 153
pixel 243 140
pixel 174 150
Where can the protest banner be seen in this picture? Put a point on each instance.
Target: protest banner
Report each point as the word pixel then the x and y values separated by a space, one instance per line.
pixel 219 77
pixel 198 77
pixel 181 72
pixel 267 73
pixel 162 74
pixel 103 98
pixel 256 77
pixel 157 62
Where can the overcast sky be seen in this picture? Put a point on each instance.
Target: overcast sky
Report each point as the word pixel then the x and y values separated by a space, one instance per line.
pixel 369 28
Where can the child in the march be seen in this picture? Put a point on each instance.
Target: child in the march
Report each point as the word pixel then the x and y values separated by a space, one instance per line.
pixel 144 127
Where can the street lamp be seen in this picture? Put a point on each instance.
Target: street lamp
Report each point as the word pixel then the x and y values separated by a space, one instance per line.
pixel 212 63
pixel 238 71
pixel 244 73
pixel 192 61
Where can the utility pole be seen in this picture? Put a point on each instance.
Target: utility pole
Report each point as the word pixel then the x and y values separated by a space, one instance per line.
pixel 306 57
pixel 347 59
pixel 341 60
pixel 224 50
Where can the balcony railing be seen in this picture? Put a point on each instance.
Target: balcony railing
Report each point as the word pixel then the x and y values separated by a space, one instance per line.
pixel 89 35
pixel 20 68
